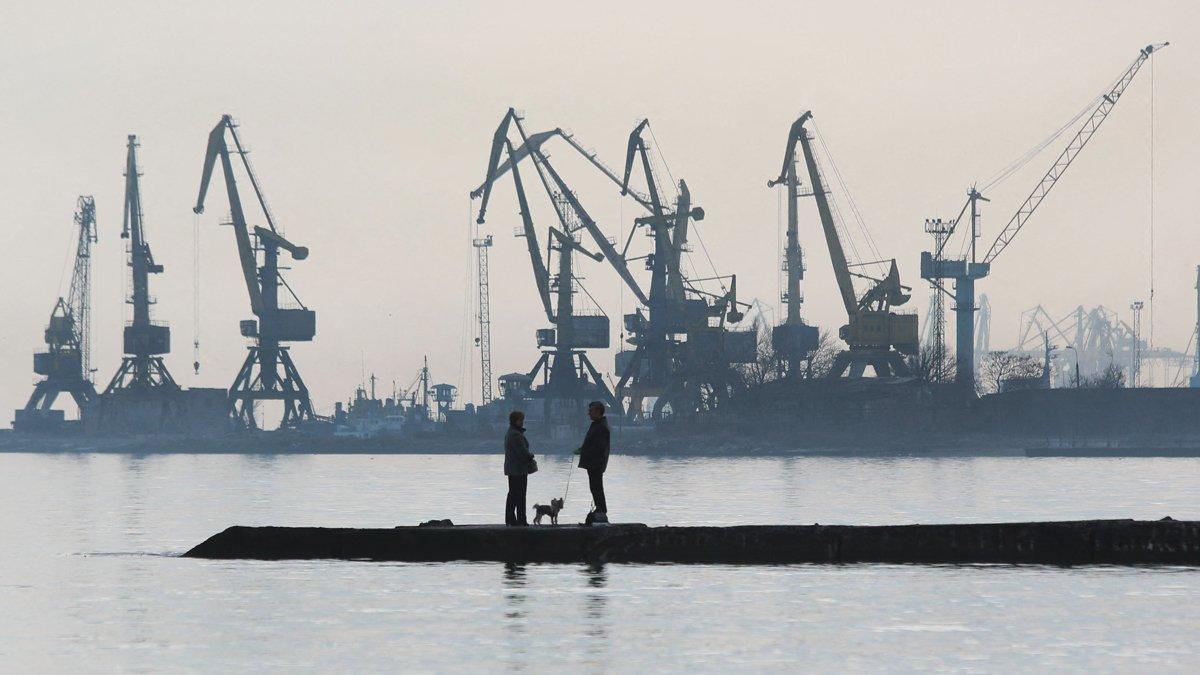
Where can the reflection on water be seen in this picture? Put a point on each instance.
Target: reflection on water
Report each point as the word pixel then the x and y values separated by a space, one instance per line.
pixel 87 579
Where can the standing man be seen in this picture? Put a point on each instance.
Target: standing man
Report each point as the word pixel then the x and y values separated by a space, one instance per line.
pixel 518 464
pixel 593 454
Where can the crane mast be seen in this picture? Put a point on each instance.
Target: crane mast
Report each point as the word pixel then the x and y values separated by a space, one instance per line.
pixel 260 377
pixel 144 343
pixel 793 340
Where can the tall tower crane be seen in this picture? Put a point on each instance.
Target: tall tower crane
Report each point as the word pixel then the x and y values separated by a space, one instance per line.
pixel 145 342
pixel 259 378
pixel 875 336
pixel 66 363
pixel 936 268
pixel 567 373
pixel 794 341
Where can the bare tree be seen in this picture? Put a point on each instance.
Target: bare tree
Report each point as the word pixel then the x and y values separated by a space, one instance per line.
pixel 1112 377
pixel 997 366
pixel 823 356
pixel 929 366
pixel 767 364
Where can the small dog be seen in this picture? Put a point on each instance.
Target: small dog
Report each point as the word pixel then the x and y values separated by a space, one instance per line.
pixel 541 510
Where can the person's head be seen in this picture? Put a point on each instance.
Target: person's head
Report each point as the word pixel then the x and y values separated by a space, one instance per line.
pixel 516 418
pixel 595 410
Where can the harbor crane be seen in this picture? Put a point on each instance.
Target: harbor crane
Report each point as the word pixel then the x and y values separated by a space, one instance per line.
pixel 683 350
pixel 259 378
pixel 66 363
pixel 679 359
pixel 567 373
pixel 794 341
pixel 145 342
pixel 937 268
pixel 875 335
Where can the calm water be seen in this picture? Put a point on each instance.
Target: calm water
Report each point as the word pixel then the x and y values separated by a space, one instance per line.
pixel 90 581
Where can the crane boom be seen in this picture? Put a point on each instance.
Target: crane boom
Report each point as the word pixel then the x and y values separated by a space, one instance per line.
pixel 541 275
pixel 841 269
pixel 1064 160
pixel 218 149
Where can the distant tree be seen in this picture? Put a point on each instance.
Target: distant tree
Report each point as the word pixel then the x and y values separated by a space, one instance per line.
pixel 823 356
pixel 926 365
pixel 767 364
pixel 997 366
pixel 1112 377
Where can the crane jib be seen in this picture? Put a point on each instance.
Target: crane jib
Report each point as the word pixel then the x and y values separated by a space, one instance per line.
pixel 1068 155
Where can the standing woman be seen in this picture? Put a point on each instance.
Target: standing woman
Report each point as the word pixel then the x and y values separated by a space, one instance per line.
pixel 518 464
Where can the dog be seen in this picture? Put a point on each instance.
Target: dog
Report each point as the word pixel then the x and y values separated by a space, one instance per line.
pixel 541 510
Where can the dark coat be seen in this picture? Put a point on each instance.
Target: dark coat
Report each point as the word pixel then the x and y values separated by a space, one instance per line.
pixel 593 454
pixel 518 460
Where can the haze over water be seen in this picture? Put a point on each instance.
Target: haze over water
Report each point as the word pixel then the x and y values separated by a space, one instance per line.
pixel 91 581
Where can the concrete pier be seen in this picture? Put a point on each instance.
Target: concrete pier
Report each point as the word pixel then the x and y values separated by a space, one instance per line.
pixel 1088 542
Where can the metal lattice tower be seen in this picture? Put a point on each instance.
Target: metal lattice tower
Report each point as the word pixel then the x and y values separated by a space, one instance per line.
pixel 485 319
pixel 940 229
pixel 1136 369
pixel 79 300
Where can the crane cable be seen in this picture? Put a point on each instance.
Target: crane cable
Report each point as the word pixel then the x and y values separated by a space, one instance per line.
pixel 1151 345
pixel 696 232
pixel 845 189
pixel 1020 162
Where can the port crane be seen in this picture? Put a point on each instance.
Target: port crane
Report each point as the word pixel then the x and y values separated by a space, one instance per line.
pixel 66 363
pixel 683 350
pixel 259 378
pixel 875 335
pixel 567 373
pixel 793 340
pixel 937 268
pixel 144 341
pixel 679 359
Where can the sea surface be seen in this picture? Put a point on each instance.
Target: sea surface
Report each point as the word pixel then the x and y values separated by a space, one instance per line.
pixel 90 578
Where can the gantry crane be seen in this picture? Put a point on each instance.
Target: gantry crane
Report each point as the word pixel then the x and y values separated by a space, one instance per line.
pixel 936 268
pixel 145 342
pixel 568 375
pixel 66 363
pixel 259 378
pixel 875 336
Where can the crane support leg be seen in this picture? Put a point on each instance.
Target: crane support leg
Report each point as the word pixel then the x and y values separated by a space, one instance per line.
pixel 964 333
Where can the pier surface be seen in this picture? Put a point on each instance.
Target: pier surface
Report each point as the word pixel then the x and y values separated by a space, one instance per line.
pixel 1086 542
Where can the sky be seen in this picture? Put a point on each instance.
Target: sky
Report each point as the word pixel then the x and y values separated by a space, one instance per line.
pixel 369 123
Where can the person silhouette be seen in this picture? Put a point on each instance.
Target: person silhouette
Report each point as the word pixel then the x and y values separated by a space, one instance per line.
pixel 518 464
pixel 593 454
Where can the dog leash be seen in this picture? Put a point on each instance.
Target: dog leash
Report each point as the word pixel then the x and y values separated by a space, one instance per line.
pixel 569 472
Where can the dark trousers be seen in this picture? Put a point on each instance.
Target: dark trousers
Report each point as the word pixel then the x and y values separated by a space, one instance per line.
pixel 596 483
pixel 514 506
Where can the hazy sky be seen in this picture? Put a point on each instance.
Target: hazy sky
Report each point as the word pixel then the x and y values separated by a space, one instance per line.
pixel 370 122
